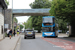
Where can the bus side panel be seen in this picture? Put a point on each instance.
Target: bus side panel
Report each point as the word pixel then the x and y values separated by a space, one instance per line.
pixel 56 33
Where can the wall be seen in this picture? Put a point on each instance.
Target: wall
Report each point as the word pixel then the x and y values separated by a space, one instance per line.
pixel 0 9
pixel 1 24
pixel 8 17
pixel 3 6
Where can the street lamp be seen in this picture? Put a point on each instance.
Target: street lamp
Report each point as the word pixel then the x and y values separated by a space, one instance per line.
pixel 12 17
pixel 12 4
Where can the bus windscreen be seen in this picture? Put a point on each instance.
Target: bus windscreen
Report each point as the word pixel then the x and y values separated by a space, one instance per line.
pixel 47 20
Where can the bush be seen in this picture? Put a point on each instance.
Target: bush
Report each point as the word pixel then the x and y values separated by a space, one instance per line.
pixel 6 35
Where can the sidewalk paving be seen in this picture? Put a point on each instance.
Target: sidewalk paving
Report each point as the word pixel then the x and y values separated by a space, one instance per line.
pixel 62 35
pixel 9 44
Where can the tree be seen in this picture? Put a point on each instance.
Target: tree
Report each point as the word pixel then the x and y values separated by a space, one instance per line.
pixel 40 4
pixel 62 25
pixel 7 2
pixel 64 9
pixel 21 27
pixel 24 25
pixel 37 23
pixel 15 22
pixel 28 24
pixel 37 20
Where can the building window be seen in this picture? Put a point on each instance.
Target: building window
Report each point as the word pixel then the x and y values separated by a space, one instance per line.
pixel 2 29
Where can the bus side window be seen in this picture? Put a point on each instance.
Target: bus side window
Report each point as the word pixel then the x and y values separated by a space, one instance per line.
pixel 53 20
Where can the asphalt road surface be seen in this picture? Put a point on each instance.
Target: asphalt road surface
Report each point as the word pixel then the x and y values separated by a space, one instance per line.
pixel 61 43
pixel 37 44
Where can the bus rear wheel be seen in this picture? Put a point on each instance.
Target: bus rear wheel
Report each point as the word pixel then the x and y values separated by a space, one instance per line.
pixel 56 36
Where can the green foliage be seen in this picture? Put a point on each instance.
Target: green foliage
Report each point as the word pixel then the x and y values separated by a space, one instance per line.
pixel 16 28
pixel 40 4
pixel 63 9
pixel 62 25
pixel 24 24
pixel 15 20
pixel 21 27
pixel 28 24
pixel 6 35
pixel 37 20
pixel 7 2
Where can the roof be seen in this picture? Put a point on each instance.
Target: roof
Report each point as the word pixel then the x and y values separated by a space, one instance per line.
pixel 3 4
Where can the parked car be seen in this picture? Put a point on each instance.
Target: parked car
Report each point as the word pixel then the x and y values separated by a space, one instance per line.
pixel 36 31
pixel 60 31
pixel 29 33
pixel 67 32
pixel 22 31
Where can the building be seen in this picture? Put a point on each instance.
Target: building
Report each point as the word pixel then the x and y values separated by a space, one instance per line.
pixel 3 6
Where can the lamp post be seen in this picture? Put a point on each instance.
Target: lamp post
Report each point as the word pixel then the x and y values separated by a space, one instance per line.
pixel 12 4
pixel 23 25
pixel 12 17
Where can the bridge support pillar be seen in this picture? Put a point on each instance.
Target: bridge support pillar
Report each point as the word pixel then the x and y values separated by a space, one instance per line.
pixel 8 18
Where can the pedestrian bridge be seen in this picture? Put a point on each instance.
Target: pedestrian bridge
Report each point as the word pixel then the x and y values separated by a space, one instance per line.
pixel 31 12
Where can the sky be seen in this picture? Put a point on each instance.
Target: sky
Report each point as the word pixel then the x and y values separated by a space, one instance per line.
pixel 20 4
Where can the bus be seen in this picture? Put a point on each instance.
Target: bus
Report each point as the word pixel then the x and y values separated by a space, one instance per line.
pixel 48 27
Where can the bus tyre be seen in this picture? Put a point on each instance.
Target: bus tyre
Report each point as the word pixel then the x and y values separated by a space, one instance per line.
pixel 56 36
pixel 24 37
pixel 33 37
pixel 45 37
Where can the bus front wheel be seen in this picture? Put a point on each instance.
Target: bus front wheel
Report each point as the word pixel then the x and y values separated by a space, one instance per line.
pixel 56 36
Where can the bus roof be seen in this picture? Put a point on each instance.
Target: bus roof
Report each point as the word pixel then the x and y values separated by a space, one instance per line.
pixel 48 16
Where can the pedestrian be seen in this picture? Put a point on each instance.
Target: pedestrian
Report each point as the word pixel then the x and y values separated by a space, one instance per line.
pixel 17 32
pixel 8 32
pixel 14 33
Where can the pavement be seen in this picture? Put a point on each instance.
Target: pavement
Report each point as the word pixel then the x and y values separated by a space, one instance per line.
pixel 62 35
pixel 9 44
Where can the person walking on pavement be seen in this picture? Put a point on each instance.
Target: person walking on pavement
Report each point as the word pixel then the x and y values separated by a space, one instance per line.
pixel 17 32
pixel 14 33
pixel 8 32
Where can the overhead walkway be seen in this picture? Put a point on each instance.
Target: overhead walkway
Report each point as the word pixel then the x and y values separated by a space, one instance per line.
pixel 31 12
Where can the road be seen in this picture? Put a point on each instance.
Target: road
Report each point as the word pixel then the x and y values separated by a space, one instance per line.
pixel 40 43
pixel 72 39
pixel 37 44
